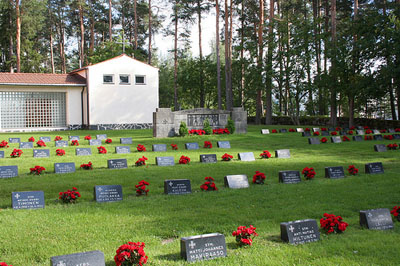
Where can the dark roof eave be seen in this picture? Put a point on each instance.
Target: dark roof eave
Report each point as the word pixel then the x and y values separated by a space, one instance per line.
pixel 46 85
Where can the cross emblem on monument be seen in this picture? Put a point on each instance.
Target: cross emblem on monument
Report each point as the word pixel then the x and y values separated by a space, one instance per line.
pixel 17 196
pixel 192 244
pixel 61 263
pixel 100 189
pixel 291 228
pixel 170 184
pixel 369 215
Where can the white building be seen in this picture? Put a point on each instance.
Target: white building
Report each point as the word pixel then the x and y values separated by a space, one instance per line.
pixel 119 93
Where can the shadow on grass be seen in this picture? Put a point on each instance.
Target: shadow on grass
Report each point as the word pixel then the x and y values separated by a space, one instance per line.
pixel 170 257
pixel 232 245
pixel 110 263
pixel 275 238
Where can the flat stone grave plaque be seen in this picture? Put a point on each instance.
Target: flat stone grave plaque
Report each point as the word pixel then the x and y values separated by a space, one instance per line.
pixel 27 200
pixel 360 127
pixel 159 147
pixel 26 145
pixel 61 143
pixel 374 168
pixel 71 138
pixel 89 258
pixel 346 129
pixel 334 172
pixel 306 134
pixel 378 137
pixel 122 149
pixel 41 153
pixel 264 131
pixel 236 181
pixel 63 168
pixel 282 153
pixel 376 131
pixel 192 146
pixel 300 130
pixel 360 132
pixel 314 141
pixel 8 171
pixel 83 151
pixel 380 147
pixel 177 186
pixel 300 232
pixel 289 177
pixel 343 133
pixel 95 142
pixel 203 247
pixel 378 219
pixel 283 130
pixel 14 140
pixel 331 129
pixel 391 130
pixel 101 136
pixel 246 156
pixel 224 144
pixel 208 158
pixel 117 164
pixel 358 138
pixel 108 193
pixel 396 136
pixel 125 140
pixel 336 139
pixel 316 129
pixel 1 154
pixel 45 139
pixel 324 133
pixel 165 161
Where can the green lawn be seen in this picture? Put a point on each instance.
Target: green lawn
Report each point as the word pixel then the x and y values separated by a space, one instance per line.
pixel 31 237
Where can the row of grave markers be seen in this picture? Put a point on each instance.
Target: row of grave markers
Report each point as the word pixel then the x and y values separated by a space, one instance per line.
pixel 337 139
pixel 359 131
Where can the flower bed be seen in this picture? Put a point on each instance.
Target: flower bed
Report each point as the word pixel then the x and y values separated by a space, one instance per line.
pixel 220 131
pixel 196 132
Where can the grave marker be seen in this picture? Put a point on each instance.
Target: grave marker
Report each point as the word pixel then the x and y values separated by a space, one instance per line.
pixel 89 258
pixel 41 153
pixel 300 232
pixel 391 130
pixel 203 247
pixel 177 186
pixel 246 156
pixel 45 139
pixel 336 139
pixel 334 172
pixel 224 144
pixel 316 129
pixel 283 130
pixel 378 219
pixel 61 143
pixel 374 168
pixel 343 133
pixel 360 132
pixel 331 129
pixel 314 141
pixel 95 142
pixel 63 168
pixel 1 154
pixel 378 137
pixel 236 181
pixel 117 164
pixel 108 193
pixel 159 147
pixel 26 145
pixel 358 138
pixel 208 158
pixel 8 171
pixel 289 177
pixel 165 161
pixel 306 134
pixel 71 138
pixel 396 136
pixel 27 200
pixel 282 153
pixel 324 133
pixel 375 131
pixel 380 148
pixel 300 130
pixel 122 149
pixel 83 151
pixel 101 136
pixel 125 140
pixel 14 140
pixel 264 131
pixel 192 146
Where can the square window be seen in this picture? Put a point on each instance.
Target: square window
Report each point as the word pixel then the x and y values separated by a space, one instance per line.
pixel 108 79
pixel 124 79
pixel 140 80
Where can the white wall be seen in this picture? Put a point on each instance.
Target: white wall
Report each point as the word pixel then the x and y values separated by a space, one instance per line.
pixel 122 104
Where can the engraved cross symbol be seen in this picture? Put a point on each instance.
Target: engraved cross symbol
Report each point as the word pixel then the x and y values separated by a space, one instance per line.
pixel 111 162
pixel 100 189
pixel 61 263
pixel 17 196
pixel 170 184
pixel 291 228
pixel 192 244
pixel 369 215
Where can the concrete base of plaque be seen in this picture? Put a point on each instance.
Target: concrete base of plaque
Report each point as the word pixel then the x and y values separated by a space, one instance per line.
pixel 203 247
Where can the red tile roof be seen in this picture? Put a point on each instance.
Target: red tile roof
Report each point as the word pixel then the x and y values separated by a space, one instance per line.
pixel 42 79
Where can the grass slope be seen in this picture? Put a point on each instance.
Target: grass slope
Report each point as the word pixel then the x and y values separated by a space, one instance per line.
pixel 31 237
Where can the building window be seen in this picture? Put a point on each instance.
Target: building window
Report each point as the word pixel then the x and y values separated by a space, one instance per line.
pixel 124 79
pixel 140 80
pixel 108 79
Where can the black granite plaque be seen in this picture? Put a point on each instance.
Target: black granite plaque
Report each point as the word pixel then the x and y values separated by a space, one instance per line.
pixel 165 161
pixel 282 153
pixel 378 137
pixel 208 158
pixel 360 132
pixel 314 141
pixel 289 177
pixel 203 247
pixel 14 140
pixel 95 142
pixel 358 138
pixel 177 186
pixel 380 147
pixel 63 168
pixel 306 134
pixel 41 153
pixel 125 140
pixel 108 193
pixel 324 133
pixel 61 143
pixel 378 219
pixel 300 232
pixel 374 168
pixel 71 138
pixel 27 200
pixel 246 156
pixel 334 172
pixel 300 130
pixel 391 130
pixel 192 146
pixel 360 127
pixel 283 130
pixel 117 164
pixel 101 136
pixel 236 181
pixel 264 131
pixel 122 149
pixel 26 145
pixel 331 129
pixel 343 133
pixel 224 144
pixel 83 151
pixel 8 171
pixel 89 258
pixel 1 154
pixel 376 131
pixel 45 139
pixel 316 129
pixel 396 136
pixel 336 139
pixel 159 147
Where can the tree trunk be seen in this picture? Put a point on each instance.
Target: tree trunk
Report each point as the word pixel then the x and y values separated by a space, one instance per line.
pixel 228 77
pixel 149 32
pixel 354 68
pixel 317 48
pixel 333 117
pixel 202 90
pixel 260 62
pixel 308 67
pixel 268 93
pixel 82 28
pixel 110 19
pixel 176 107
pixel 326 38
pixel 242 66
pixel 136 23
pixel 53 70
pixel 217 54
pixel 18 35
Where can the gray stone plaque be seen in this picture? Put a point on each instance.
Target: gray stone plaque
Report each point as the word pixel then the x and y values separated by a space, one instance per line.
pixel 391 130
pixel 396 136
pixel 117 164
pixel 282 153
pixel 45 139
pixel 95 142
pixel 306 134
pixel 108 193
pixel 283 130
pixel 27 200
pixel 378 137
pixel 41 153
pixel 334 172
pixel 316 129
pixel 378 219
pixel 159 147
pixel 224 144
pixel 192 146
pixel 264 131
pixel 101 136
pixel 95 258
pixel 380 147
pixel 26 145
pixel 63 168
pixel 71 138
pixel 289 177
pixel 1 154
pixel 208 158
pixel 246 156
pixel 203 247
pixel 8 171
pixel 14 140
pixel 125 140
pixel 313 141
pixel 61 143
pixel 375 131
pixel 177 186
pixel 360 132
pixel 300 130
pixel 358 138
pixel 236 181
pixel 331 129
pixel 83 151
pixel 122 149
pixel 300 232
pixel 324 133
pixel 374 168
pixel 165 161
pixel 336 139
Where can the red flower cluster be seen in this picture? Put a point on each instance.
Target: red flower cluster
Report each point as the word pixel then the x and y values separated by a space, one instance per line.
pixel 316 133
pixel 292 130
pixel 309 173
pixel 174 146
pixel 87 166
pixel 338 128
pixel 353 128
pixel 57 138
pixel 4 144
pixel 16 153
pixel 368 131
pixel 383 131
pixel 265 154
pixel 366 127
pixel 333 224
pixel 140 148
pixel 388 137
pixel 352 170
pixel 60 152
pixel 324 140
pixel 368 138
pixel 88 137
pixel 220 131
pixel 274 131
pixel 37 170
pixel 259 178
pixel 226 157
pixel 350 132
pixel 209 185
pixel 75 142
pixel 244 235
pixel 69 196
pixel 41 143
pixel 108 141
pixel 131 254
pixel 396 212
pixel 196 132
pixel 307 129
pixel 141 161
pixel 207 144
pixel 31 139
pixel 345 138
pixel 141 188
pixel 393 146
pixel 397 130
pixel 333 133
pixel 324 129
pixel 102 150
pixel 184 160
pixel 4 264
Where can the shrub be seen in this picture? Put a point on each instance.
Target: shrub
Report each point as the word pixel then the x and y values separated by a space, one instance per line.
pixel 183 130
pixel 231 126
pixel 206 127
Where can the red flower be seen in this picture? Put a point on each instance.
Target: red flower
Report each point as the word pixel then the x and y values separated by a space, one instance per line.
pixel 75 142
pixel 308 172
pixel 316 133
pixel 307 129
pixel 209 185
pixel 4 144
pixel 41 143
pixel 368 131
pixel 345 138
pixel 244 236
pixel 265 154
pixel 382 130
pixel 4 264
pixel 140 148
pixel 324 140
pixel 388 137
pixel 60 152
pixel 292 130
pixel 131 254
pixel 324 129
pixel 37 170
pixel 397 130
pixel 207 144
pixel 141 188
pixel 353 128
pixel 274 131
pixel 350 132
pixel 184 160
pixel 396 211
pixel 57 138
pixel 174 147
pixel 331 223
pixel 197 132
pixel 226 157
pixel 352 170
pixel 333 133
pixel 259 178
pixel 87 166
pixel 368 137
pixel 69 196
pixel 31 139
pixel 102 150
pixel 88 137
pixel 220 131
pixel 392 146
pixel 16 153
pixel 338 128
pixel 108 141
pixel 141 161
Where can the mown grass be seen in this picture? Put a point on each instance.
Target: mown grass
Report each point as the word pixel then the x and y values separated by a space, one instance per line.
pixel 31 237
